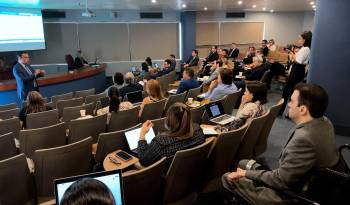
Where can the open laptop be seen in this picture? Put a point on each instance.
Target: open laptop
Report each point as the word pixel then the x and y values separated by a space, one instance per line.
pixel 216 113
pixel 112 179
pixel 134 97
pixel 133 136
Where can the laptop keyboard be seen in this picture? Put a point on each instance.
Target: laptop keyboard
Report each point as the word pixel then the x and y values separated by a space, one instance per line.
pixel 222 118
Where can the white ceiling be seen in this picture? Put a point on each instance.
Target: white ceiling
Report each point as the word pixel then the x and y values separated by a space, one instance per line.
pixel 276 5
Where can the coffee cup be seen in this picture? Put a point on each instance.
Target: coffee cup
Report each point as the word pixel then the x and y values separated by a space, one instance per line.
pixel 82 113
pixel 240 73
pixel 190 100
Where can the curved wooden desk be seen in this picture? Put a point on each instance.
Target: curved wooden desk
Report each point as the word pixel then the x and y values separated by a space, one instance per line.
pixel 60 83
pixel 57 78
pixel 109 165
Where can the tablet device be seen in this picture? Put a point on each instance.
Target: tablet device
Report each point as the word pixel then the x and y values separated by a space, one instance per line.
pixel 133 136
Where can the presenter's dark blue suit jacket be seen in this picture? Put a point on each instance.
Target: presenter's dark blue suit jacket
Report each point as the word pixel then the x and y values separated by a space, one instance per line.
pixel 26 82
pixel 185 85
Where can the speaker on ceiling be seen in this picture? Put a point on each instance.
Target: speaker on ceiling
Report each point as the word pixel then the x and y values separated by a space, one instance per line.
pixel 235 15
pixel 151 15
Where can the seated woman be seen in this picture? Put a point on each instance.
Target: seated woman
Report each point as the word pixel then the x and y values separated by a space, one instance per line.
pixel 181 134
pixel 36 103
pixel 154 94
pixel 252 104
pixel 114 103
pixel 88 191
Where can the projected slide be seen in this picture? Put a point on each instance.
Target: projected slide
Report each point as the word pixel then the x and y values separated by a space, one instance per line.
pixel 21 30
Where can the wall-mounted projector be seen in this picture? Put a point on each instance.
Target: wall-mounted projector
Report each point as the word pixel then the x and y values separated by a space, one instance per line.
pixel 88 13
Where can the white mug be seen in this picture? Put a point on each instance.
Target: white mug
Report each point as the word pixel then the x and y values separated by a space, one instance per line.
pixel 82 113
pixel 190 100
pixel 240 73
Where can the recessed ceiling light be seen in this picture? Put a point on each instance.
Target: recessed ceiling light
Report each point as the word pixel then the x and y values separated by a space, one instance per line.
pixel 312 3
pixel 154 1
pixel 240 2
pixel 272 11
pixel 184 5
pixel 264 9
pixel 205 8
pixel 254 6
pixel 313 6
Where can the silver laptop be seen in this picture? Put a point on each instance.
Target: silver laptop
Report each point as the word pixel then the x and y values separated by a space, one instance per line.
pixel 216 113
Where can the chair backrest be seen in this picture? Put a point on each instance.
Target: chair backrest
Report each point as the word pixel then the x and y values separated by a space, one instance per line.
pixel 135 184
pixel 61 104
pixel 111 141
pixel 163 82
pixel 261 144
pixel 159 125
pixel 7 146
pixel 264 77
pixel 10 125
pixel 193 93
pixel 172 76
pixel 71 113
pixel 42 119
pixel 230 102
pixel 246 148
pixel 84 93
pixel 16 182
pixel 8 107
pixel 42 138
pixel 91 127
pixel 118 119
pixel 59 162
pixel 225 149
pixel 153 110
pixel 65 96
pixel 197 114
pixel 174 99
pixel 182 176
pixel 7 114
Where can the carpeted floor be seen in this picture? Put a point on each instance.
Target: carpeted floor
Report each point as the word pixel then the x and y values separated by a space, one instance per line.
pixel 279 133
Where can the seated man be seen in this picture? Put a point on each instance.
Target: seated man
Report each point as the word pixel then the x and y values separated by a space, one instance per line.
pixel 166 69
pixel 249 57
pixel 192 60
pixel 172 61
pixel 311 145
pixel 188 82
pixel 222 86
pixel 130 85
pixel 214 72
pixel 234 51
pixel 256 69
pixel 80 60
pixel 264 48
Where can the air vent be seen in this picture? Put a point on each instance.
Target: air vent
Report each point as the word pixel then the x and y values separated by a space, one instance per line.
pixel 50 14
pixel 235 15
pixel 153 15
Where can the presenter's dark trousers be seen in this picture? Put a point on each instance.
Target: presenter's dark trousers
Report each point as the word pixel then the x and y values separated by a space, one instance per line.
pixel 297 75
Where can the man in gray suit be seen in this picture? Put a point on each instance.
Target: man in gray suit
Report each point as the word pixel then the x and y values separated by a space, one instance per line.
pixel 311 145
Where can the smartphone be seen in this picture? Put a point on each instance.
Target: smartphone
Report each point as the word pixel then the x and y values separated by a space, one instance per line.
pixel 123 155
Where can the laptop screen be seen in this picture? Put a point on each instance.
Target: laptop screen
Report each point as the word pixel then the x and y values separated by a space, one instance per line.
pixel 112 179
pixel 135 97
pixel 214 109
pixel 133 136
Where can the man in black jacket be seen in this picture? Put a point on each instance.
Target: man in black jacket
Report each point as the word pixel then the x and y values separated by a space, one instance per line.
pixel 233 52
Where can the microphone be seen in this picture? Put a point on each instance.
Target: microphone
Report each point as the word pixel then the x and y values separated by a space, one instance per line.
pixel 249 164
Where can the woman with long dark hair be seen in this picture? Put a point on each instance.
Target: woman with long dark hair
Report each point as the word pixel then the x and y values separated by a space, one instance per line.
pixel 36 103
pixel 299 62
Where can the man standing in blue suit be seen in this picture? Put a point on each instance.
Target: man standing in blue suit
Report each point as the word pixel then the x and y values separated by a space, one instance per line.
pixel 25 76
